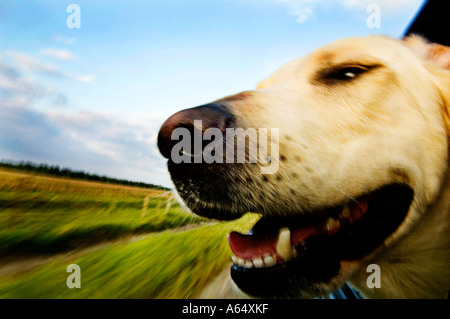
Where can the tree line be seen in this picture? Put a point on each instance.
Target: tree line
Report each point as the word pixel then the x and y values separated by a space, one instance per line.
pixel 55 170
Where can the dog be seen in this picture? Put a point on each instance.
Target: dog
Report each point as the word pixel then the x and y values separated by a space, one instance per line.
pixel 362 190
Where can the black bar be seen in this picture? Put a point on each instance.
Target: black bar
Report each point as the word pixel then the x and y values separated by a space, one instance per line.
pixel 432 22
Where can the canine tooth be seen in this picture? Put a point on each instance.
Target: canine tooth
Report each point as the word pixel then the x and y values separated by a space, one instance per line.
pixel 332 223
pixel 248 264
pixel 257 262
pixel 270 261
pixel 345 212
pixel 284 248
pixel 234 259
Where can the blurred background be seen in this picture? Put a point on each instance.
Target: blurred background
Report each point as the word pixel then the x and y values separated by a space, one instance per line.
pixel 83 92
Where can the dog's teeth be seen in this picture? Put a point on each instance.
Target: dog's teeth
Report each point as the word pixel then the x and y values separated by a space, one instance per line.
pixel 284 248
pixel 258 262
pixel 345 212
pixel 332 223
pixel 270 261
pixel 238 261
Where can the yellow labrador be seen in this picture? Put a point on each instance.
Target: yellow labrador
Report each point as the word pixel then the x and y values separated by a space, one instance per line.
pixel 361 193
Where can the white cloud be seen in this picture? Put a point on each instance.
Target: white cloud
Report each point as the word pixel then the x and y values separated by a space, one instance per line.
pixel 60 54
pixel 124 139
pixel 29 63
pixel 120 136
pixel 63 39
pixel 303 14
pixel 18 88
pixel 301 9
pixel 91 78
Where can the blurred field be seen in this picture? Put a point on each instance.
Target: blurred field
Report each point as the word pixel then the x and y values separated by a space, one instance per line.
pixel 129 242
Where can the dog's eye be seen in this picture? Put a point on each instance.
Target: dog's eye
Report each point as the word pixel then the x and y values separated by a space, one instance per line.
pixel 342 73
pixel 347 73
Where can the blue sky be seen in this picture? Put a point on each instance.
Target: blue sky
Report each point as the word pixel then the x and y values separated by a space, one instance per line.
pixel 93 98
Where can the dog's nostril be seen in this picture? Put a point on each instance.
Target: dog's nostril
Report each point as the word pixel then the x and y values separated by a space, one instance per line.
pixel 212 115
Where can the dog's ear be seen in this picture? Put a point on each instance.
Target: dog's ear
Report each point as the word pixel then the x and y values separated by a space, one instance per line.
pixel 437 53
pixel 437 57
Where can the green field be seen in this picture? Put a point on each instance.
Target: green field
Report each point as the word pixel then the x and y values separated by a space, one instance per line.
pixel 129 242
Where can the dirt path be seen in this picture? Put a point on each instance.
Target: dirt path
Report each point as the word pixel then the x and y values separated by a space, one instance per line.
pixel 18 265
pixel 221 287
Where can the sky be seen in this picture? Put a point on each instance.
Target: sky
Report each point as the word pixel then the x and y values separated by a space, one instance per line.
pixel 93 97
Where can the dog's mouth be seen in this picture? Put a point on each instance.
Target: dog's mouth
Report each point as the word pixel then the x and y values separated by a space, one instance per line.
pixel 280 254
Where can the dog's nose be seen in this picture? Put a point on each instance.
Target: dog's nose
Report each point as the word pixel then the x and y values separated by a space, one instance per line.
pixel 212 115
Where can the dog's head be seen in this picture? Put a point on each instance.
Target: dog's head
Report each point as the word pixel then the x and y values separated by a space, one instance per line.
pixel 342 151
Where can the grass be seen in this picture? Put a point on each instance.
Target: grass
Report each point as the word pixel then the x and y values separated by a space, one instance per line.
pixel 43 215
pixel 164 265
pixel 49 215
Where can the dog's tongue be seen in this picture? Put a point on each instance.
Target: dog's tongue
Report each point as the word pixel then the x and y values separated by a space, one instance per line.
pixel 249 246
pixel 259 244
